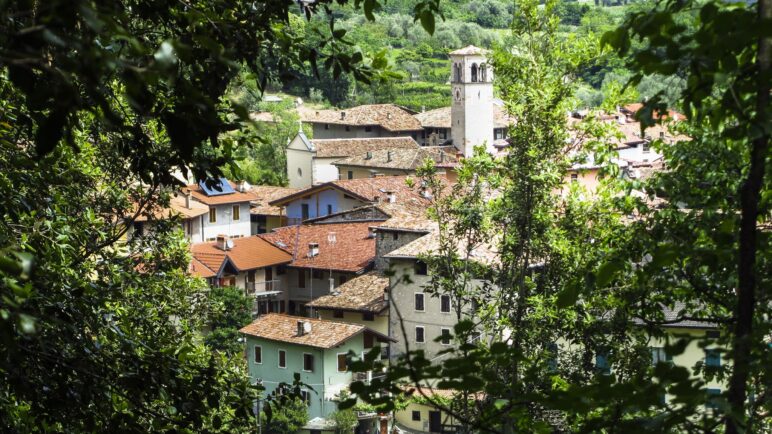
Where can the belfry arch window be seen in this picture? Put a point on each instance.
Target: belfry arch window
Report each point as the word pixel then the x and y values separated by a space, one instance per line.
pixel 474 73
pixel 457 72
pixel 483 72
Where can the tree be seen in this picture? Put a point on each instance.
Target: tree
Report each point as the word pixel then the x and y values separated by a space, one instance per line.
pixel 229 310
pixel 723 255
pixel 345 421
pixel 287 417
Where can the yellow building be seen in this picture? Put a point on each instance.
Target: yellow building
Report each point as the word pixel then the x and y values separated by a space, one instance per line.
pixel 360 300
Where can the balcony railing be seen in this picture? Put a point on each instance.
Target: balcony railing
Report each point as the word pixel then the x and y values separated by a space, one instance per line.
pixel 257 288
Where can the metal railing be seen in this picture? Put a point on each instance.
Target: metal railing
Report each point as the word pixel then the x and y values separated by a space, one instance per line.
pixel 255 288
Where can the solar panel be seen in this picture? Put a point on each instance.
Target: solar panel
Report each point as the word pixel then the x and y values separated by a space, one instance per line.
pixel 218 187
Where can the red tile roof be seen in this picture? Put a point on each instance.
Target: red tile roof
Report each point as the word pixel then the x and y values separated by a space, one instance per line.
pixel 263 195
pixel 353 250
pixel 363 293
pixel 234 197
pixel 284 328
pixel 177 207
pixel 330 148
pixel 389 116
pixel 248 253
pixel 198 269
pixel 364 189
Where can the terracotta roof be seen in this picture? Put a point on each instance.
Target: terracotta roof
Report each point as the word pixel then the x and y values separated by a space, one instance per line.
pixel 440 118
pixel 468 51
pixel 197 268
pixel 248 253
pixel 410 216
pixel 679 309
pixel 284 328
pixel 330 148
pixel 363 293
pixel 389 116
pixel 262 117
pixel 363 189
pixel 234 197
pixel 430 243
pixel 401 159
pixel 264 194
pixel 176 208
pixel 353 250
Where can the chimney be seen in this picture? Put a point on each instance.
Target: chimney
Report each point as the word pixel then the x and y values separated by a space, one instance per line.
pixel 621 119
pixel 313 249
pixel 442 156
pixel 188 199
pixel 301 328
pixel 369 155
pixel 342 115
pixel 317 112
pixel 662 135
pixel 423 108
pixel 391 196
pixel 388 156
pixel 223 243
pixel 388 115
pixel 242 186
pixel 371 232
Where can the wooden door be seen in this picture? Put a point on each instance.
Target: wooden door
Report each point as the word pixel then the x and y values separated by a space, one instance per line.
pixel 435 422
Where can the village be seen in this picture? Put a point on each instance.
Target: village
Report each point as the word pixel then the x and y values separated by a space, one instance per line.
pixel 331 259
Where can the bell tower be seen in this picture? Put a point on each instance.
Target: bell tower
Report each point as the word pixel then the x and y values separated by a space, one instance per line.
pixel 471 110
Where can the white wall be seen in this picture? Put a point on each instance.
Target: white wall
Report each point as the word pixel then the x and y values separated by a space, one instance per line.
pixel 636 154
pixel 318 202
pixel 299 164
pixel 324 171
pixel 472 113
pixel 225 225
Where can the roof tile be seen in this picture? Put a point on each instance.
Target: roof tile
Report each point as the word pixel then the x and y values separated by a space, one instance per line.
pixel 284 328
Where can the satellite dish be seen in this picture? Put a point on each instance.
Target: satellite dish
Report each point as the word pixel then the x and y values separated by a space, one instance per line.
pixel 229 244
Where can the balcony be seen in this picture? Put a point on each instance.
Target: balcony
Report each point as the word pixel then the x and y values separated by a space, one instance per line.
pixel 264 288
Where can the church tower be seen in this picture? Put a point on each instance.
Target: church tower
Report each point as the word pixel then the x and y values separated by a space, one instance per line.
pixel 471 111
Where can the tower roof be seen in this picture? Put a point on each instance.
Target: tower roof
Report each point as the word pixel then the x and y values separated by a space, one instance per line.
pixel 469 50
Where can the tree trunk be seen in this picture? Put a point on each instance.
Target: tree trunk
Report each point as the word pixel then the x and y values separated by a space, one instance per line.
pixel 749 198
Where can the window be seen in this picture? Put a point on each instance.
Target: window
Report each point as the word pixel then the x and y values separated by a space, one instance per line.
pixel 646 147
pixel 342 279
pixel 342 367
pixel 212 215
pixel 258 354
pixel 416 415
pixel 419 334
pixel 306 397
pixel 445 303
pixel 308 362
pixel 301 278
pixel 304 211
pixel 483 73
pixel 658 355
pixel 368 316
pixel 348 128
pixel 316 274
pixel 281 270
pixel 350 174
pixel 445 336
pixel 419 301
pixel 282 359
pixel 420 268
pixel 337 314
pixel 326 126
pixel 236 212
pixel 395 236
pixel 712 358
pixel 712 334
pixel 499 134
pixel 601 363
pixel 713 395
pixel 329 209
pixel 474 73
pixel 574 177
pixel 368 128
pixel 300 172
pixel 552 356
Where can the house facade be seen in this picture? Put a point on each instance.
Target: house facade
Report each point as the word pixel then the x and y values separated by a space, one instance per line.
pixel 183 207
pixel 279 346
pixel 229 209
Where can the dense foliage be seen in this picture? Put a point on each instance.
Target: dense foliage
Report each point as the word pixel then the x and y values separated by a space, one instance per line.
pixel 229 310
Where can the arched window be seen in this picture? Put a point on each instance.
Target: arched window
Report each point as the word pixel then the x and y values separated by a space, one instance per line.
pixel 457 72
pixel 483 73
pixel 474 73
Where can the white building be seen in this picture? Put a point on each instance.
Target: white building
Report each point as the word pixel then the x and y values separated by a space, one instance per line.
pixel 472 107
pixel 228 209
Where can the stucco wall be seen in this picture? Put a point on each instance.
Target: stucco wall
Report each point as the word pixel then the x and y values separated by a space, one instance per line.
pixel 324 170
pixel 380 323
pixel 385 243
pixel 299 159
pixel 225 225
pixel 405 417
pixel 325 379
pixel 318 204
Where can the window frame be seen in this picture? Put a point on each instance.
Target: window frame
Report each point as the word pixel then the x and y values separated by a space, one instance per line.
pixel 712 354
pixel 443 336
pixel 236 212
pixel 213 215
pixel 345 362
pixel 423 334
pixel 279 357
pixel 444 297
pixel 337 314
pixel 421 268
pixel 254 354
pixel 415 416
pixel 368 316
pixel 304 362
pixel 423 302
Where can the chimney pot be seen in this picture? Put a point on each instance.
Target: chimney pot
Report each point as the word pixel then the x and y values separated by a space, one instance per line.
pixel 388 115
pixel 343 115
pixel 188 199
pixel 388 156
pixel 222 242
pixel 369 155
pixel 301 328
